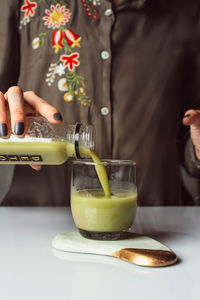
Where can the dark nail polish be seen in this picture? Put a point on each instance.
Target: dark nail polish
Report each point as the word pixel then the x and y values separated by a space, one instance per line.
pixel 57 117
pixel 3 129
pixel 186 116
pixel 19 128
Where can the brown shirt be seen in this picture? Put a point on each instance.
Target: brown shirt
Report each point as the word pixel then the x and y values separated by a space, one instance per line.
pixel 131 72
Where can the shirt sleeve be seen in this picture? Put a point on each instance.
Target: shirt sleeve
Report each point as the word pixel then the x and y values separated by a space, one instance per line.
pixel 191 162
pixel 9 43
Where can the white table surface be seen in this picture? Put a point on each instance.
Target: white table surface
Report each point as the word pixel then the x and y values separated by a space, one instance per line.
pixel 30 271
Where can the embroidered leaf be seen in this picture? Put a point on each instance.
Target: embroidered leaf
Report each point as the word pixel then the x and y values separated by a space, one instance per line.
pixel 71 75
pixel 81 80
pixel 42 33
pixel 76 86
pixel 42 41
pixel 67 48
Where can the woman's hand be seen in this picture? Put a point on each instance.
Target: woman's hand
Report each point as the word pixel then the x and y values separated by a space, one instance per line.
pixel 192 119
pixel 15 105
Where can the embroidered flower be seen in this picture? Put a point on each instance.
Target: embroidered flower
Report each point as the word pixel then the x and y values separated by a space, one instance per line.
pixel 73 39
pixel 71 61
pixel 89 6
pixel 57 38
pixel 29 8
pixel 68 97
pixel 51 74
pixel 56 16
pixel 24 22
pixel 82 97
pixel 62 85
pixel 36 43
pixel 60 69
pixel 64 39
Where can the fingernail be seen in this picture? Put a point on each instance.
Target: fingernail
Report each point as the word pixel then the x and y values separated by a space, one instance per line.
pixel 3 129
pixel 186 116
pixel 57 117
pixel 19 128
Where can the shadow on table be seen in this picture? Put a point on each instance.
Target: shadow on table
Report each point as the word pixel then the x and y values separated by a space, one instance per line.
pixel 163 235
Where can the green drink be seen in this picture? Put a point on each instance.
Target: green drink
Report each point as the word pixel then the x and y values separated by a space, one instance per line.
pixel 103 197
pixel 43 153
pixel 93 211
pixel 46 144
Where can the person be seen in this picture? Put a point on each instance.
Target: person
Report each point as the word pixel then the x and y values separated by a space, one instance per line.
pixel 128 67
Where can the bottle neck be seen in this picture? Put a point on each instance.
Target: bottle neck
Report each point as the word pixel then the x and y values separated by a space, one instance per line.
pixel 82 138
pixel 76 140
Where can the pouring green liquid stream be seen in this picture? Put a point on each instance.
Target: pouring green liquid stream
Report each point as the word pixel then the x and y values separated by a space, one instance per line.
pixel 101 173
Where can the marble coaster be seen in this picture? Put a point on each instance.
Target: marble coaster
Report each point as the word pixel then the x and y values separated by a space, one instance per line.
pixel 74 242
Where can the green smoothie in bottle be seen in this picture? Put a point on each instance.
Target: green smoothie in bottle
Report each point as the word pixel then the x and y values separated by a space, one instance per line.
pixel 46 144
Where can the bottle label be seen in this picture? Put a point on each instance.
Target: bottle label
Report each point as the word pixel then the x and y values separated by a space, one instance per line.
pixel 23 158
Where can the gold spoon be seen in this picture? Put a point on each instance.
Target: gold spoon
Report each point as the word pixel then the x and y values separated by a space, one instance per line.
pixel 146 257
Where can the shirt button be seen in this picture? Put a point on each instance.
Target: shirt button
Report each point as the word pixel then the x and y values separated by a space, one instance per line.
pixel 108 12
pixel 105 54
pixel 104 111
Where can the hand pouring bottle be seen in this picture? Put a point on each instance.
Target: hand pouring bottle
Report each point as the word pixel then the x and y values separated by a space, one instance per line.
pixel 47 144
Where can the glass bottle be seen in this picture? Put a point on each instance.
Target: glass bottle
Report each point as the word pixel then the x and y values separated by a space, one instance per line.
pixel 47 144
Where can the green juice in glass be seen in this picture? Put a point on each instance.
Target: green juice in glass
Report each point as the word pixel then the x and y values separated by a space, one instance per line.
pixel 93 211
pixel 103 210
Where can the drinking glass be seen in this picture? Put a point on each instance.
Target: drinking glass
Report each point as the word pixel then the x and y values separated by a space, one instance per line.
pixel 99 212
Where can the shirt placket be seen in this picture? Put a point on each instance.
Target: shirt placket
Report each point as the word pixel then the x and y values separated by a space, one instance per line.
pixel 105 104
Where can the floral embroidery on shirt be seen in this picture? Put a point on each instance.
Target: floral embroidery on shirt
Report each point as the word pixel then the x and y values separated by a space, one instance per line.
pixel 90 8
pixel 72 38
pixel 56 16
pixel 70 61
pixel 28 8
pixel 36 43
pixel 63 40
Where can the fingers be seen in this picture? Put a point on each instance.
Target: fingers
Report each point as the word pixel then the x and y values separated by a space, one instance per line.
pixel 43 108
pixel 3 117
pixel 15 100
pixel 36 167
pixel 21 103
pixel 192 117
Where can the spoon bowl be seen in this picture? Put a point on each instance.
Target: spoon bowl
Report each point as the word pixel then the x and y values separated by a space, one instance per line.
pixel 146 257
